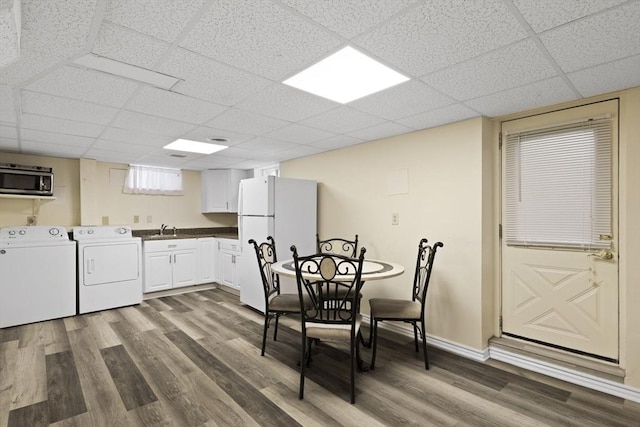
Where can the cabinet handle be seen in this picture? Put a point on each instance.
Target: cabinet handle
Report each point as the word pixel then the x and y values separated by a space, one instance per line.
pixel 175 259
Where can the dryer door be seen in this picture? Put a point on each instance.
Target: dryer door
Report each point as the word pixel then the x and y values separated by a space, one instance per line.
pixel 110 262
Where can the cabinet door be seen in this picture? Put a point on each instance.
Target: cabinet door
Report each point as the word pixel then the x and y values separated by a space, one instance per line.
pixel 207 259
pixel 185 268
pixel 229 273
pixel 158 271
pixel 215 184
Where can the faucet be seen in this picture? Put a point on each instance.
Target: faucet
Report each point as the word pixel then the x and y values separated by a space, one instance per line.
pixel 162 228
pixel 175 231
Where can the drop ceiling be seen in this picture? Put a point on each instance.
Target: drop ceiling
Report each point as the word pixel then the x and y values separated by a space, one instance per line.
pixel 464 58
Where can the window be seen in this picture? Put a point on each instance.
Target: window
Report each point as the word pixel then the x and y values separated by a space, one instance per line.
pixel 558 186
pixel 153 180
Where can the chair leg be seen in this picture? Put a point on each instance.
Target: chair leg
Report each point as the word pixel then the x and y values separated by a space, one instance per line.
pixel 424 345
pixel 275 328
pixel 303 363
pixel 353 369
pixel 415 336
pixel 374 343
pixel 264 332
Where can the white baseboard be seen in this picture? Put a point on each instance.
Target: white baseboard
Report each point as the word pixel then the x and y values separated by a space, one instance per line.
pixel 569 375
pixel 555 371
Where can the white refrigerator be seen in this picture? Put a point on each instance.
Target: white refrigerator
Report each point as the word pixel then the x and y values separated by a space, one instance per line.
pixel 283 208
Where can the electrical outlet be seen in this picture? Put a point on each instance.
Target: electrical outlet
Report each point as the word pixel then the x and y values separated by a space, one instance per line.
pixel 136 219
pixel 149 219
pixel 31 220
pixel 395 218
pixel 105 220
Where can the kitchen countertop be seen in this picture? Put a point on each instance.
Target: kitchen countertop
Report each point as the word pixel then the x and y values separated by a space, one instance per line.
pixel 187 233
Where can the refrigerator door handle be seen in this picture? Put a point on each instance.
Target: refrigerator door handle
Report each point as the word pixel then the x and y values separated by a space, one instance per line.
pixel 240 198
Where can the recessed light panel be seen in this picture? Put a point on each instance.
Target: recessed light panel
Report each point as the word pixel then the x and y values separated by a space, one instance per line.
pixel 194 146
pixel 345 76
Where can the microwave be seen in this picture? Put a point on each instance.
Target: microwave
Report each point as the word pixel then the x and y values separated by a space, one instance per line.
pixel 26 180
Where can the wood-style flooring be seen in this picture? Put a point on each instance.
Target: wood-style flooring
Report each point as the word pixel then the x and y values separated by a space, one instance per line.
pixel 194 360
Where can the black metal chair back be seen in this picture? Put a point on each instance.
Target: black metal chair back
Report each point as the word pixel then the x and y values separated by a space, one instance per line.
pixel 266 254
pixel 338 246
pixel 424 266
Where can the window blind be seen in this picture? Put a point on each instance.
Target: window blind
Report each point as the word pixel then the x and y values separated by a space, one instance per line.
pixel 153 180
pixel 558 186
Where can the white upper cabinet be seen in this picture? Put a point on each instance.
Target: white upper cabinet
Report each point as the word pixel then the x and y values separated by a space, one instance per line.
pixel 220 189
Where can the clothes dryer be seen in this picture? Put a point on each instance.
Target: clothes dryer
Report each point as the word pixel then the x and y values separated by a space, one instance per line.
pixel 109 267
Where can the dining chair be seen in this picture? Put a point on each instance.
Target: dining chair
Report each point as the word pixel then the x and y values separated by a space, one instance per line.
pixel 321 278
pixel 338 246
pixel 410 311
pixel 275 303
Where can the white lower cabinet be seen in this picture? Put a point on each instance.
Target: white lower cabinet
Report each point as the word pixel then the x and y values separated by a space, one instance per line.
pixel 227 262
pixel 170 264
pixel 207 251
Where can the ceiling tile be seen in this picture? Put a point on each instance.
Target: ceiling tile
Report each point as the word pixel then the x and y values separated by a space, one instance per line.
pixel 261 37
pixel 210 80
pixel 164 103
pixel 546 92
pixel 122 147
pixel 202 133
pixel 265 145
pixel 403 100
pixel 139 137
pixel 505 68
pixel 210 162
pixel 7 111
pixel 286 103
pixel 143 122
pixel 545 14
pixel 51 149
pixel 30 64
pixel 299 134
pixel 163 19
pixel 299 151
pixel 244 121
pixel 131 47
pixel 448 114
pixel 610 77
pixel 349 17
pixel 58 27
pixel 441 33
pixel 342 120
pixel 337 141
pixel 9 144
pixel 380 131
pixel 56 138
pixel 10 132
pixel 53 106
pixel 597 39
pixel 53 124
pixel 85 85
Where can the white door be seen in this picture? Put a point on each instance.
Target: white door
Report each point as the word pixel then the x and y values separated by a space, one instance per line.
pixel 158 271
pixel 559 290
pixel 249 279
pixel 185 267
pixel 110 263
pixel 256 196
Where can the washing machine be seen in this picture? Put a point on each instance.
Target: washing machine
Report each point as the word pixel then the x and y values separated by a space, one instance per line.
pixel 37 274
pixel 109 267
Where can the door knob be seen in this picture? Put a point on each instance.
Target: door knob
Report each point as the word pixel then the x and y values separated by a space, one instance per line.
pixel 603 254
